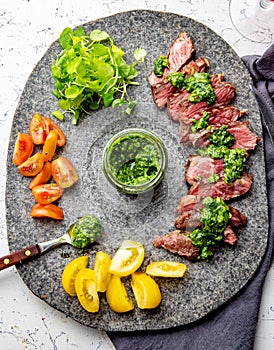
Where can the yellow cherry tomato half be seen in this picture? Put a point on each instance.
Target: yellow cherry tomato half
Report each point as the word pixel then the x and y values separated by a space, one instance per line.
pixel 146 291
pixel 117 297
pixel 85 286
pixel 127 259
pixel 70 272
pixel 166 269
pixel 101 268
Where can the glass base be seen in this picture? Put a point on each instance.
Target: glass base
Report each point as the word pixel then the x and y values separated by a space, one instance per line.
pixel 254 19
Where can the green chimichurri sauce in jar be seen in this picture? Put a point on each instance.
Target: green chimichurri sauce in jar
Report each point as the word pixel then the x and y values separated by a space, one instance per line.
pixel 134 160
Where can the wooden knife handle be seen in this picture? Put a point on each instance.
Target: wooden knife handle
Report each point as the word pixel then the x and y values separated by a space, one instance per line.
pixel 18 256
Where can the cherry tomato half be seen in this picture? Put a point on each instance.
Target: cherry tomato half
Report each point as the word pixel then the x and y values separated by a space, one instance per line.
pixel 50 145
pixel 63 172
pixel 70 272
pixel 117 296
pixel 37 131
pixel 47 193
pixel 32 166
pixel 101 268
pixel 42 177
pixel 23 149
pixel 49 124
pixel 127 259
pixel 47 211
pixel 146 291
pixel 85 286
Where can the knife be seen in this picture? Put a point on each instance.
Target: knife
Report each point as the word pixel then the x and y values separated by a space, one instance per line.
pixel 267 112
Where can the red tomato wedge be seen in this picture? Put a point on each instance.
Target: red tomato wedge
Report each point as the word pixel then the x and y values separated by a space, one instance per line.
pixel 37 130
pixel 49 124
pixel 23 149
pixel 42 177
pixel 47 211
pixel 63 172
pixel 32 166
pixel 50 145
pixel 47 193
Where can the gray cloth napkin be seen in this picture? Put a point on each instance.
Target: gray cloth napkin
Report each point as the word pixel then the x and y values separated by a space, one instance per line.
pixel 233 325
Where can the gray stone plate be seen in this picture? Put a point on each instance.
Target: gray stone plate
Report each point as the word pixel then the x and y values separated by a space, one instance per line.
pixel 205 286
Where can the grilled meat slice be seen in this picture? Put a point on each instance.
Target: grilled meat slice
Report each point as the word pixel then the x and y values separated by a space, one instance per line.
pixel 177 242
pixel 188 221
pixel 221 189
pixel 163 90
pixel 202 167
pixel 230 236
pixel 179 53
pixel 188 202
pixel 244 137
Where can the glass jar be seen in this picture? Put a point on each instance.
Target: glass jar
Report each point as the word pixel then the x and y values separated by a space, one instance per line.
pixel 134 160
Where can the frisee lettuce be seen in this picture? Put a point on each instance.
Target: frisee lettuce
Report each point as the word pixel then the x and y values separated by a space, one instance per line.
pixel 91 72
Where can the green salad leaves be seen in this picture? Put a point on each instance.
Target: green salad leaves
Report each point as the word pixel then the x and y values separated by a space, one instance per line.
pixel 90 72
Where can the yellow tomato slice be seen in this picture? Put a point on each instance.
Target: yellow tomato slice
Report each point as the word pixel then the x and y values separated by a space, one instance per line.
pixel 70 272
pixel 127 259
pixel 146 291
pixel 101 268
pixel 117 297
pixel 166 269
pixel 85 286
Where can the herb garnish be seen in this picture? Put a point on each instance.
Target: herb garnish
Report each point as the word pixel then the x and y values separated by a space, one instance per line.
pixel 198 84
pixel 160 64
pixel 234 160
pixel 134 160
pixel 214 217
pixel 201 123
pixel 222 137
pixel 85 231
pixel 91 70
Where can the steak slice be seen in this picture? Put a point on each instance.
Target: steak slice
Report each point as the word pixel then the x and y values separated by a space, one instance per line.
pixel 177 242
pixel 224 92
pixel 175 99
pixel 188 221
pixel 178 54
pixel 163 90
pixel 221 189
pixel 244 137
pixel 202 167
pixel 237 218
pixel 188 202
pixel 230 236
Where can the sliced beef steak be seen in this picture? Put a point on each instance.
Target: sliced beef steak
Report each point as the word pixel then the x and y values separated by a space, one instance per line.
pixel 199 167
pixel 178 54
pixel 177 242
pixel 221 189
pixel 244 137
pixel 188 221
pixel 230 236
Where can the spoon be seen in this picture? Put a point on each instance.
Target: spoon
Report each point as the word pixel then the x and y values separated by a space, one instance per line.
pixel 88 228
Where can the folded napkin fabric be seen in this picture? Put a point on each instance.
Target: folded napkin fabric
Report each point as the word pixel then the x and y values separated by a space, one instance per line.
pixel 232 326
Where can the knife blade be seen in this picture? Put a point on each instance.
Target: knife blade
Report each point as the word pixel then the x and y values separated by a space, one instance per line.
pixel 267 112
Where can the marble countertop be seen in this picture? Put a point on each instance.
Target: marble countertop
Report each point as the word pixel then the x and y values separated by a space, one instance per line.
pixel 27 29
